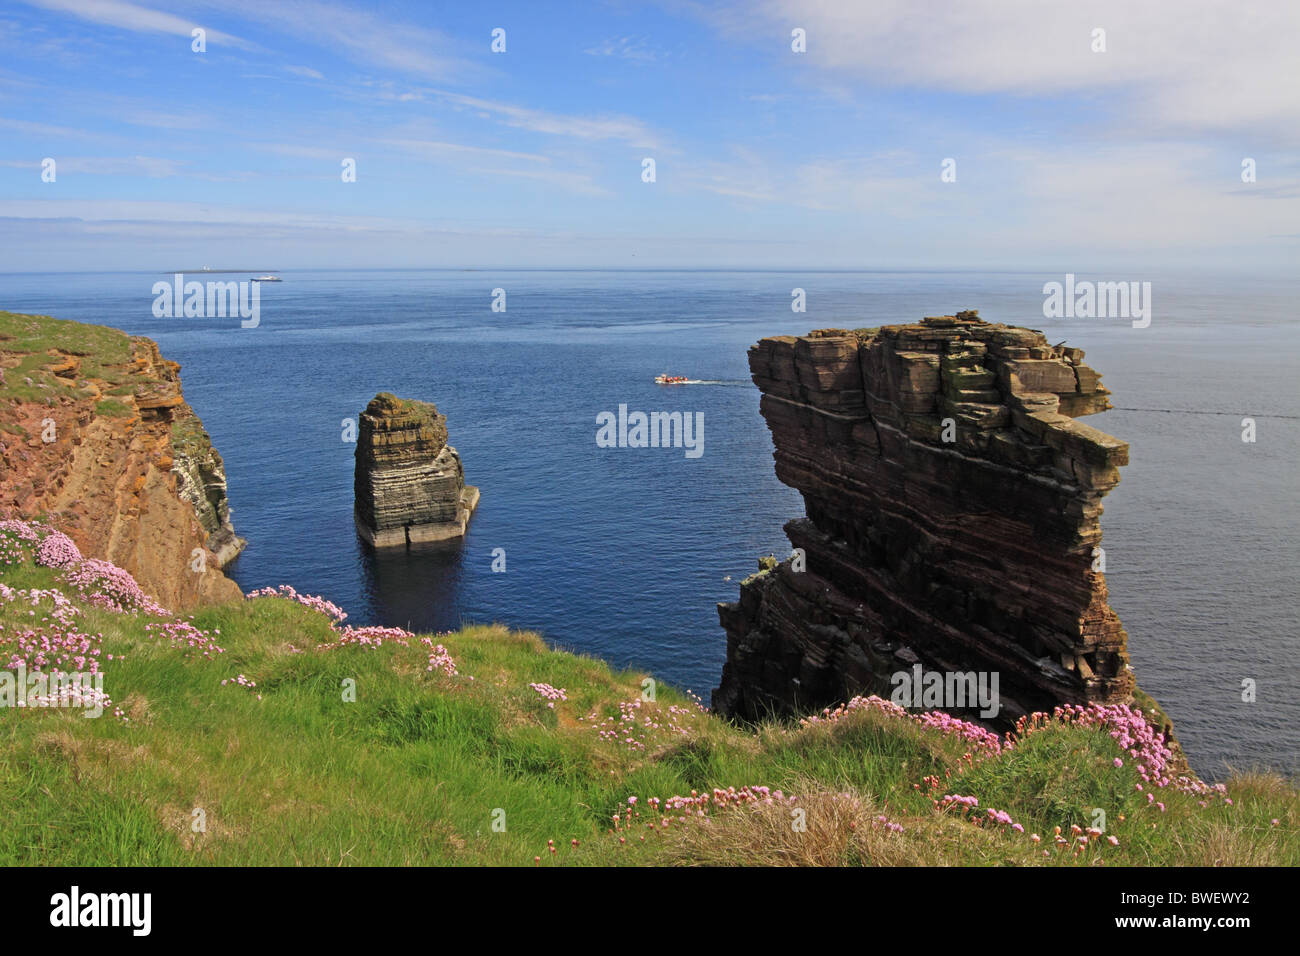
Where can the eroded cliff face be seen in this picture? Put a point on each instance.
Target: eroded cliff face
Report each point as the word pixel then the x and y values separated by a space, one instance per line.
pixel 409 484
pixel 96 436
pixel 953 506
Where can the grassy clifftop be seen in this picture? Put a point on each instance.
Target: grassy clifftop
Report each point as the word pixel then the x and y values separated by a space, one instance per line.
pixel 268 731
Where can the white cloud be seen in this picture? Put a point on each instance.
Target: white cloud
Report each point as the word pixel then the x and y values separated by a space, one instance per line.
pixel 1140 197
pixel 306 71
pixel 1018 200
pixel 1181 65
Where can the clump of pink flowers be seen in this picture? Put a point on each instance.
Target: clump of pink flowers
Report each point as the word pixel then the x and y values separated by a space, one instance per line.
pixel 241 681
pixel 1127 726
pixel 314 602
pixel 968 804
pixel 368 637
pixel 50 648
pixel 63 610
pixel 22 530
pixel 550 693
pixel 1135 735
pixel 102 583
pixel 981 737
pixel 15 536
pixel 183 634
pixel 371 636
pixel 639 721
pixel 105 585
pixel 984 739
pixel 439 658
pixel 701 804
pixel 57 550
pixel 74 695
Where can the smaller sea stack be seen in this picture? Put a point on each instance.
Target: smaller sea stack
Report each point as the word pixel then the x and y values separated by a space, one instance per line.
pixel 410 484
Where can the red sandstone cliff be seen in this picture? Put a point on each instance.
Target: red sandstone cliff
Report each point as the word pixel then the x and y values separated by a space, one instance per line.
pixel 953 506
pixel 96 436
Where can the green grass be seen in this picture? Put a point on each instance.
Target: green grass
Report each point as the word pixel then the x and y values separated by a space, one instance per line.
pixel 112 409
pixel 189 437
pixel 97 345
pixel 413 770
pixel 104 353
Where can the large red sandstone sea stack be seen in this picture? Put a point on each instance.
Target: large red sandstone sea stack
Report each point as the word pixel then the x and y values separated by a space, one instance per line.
pixel 953 504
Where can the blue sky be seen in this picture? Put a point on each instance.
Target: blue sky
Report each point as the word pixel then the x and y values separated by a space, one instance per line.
pixel 1067 158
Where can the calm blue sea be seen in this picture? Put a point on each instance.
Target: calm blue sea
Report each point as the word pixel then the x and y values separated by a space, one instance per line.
pixel 624 553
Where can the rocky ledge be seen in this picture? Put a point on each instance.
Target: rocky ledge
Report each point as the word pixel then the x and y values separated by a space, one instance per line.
pixel 953 505
pixel 409 483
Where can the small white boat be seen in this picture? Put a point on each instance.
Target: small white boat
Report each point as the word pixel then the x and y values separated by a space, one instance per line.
pixel 267 279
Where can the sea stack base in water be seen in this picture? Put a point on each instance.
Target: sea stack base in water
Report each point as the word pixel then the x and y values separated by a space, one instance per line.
pixel 410 484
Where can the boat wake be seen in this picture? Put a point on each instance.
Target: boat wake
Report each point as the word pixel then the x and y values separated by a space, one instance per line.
pixel 682 380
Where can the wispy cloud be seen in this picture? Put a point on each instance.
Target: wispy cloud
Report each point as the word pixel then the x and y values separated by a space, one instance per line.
pixel 364 36
pixel 162 218
pixel 305 71
pixel 153 167
pixel 434 148
pixel 637 49
pixel 621 128
pixel 303 151
pixel 130 16
pixel 161 120
pixel 570 181
pixel 40 129
pixel 460 157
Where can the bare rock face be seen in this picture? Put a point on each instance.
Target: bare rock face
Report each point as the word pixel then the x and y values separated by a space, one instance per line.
pixel 410 485
pixel 953 506
pixel 201 480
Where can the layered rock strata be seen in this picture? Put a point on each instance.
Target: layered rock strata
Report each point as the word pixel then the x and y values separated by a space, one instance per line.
pixel 953 505
pixel 409 483
pixel 97 437
pixel 201 480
